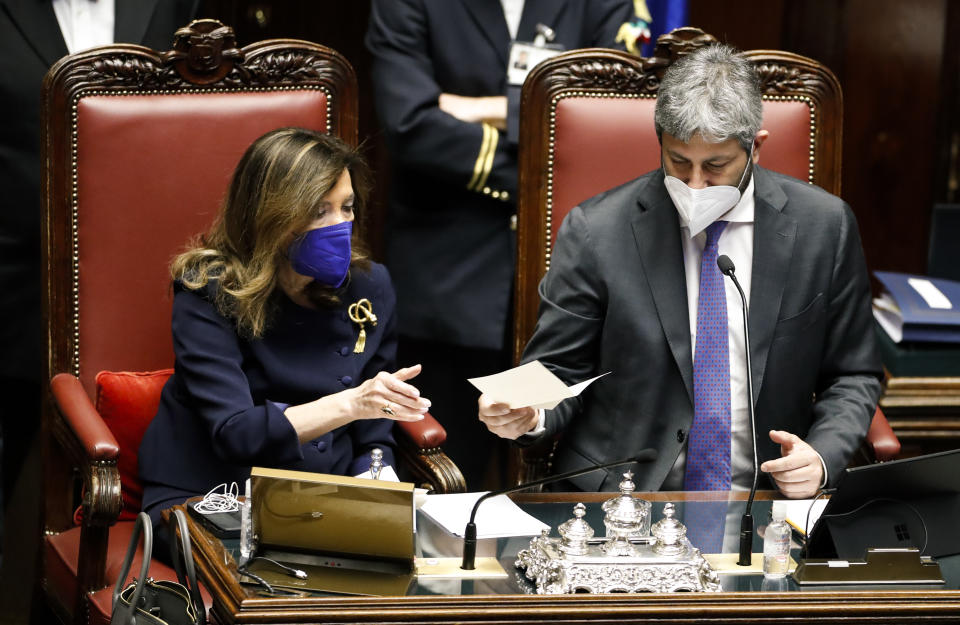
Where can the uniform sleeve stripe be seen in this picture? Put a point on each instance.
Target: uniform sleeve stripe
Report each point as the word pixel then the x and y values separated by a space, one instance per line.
pixel 488 161
pixel 481 157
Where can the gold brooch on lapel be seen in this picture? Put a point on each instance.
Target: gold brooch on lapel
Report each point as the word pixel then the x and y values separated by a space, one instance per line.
pixel 361 313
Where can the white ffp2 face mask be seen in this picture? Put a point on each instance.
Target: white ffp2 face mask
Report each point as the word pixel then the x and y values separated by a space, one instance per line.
pixel 701 207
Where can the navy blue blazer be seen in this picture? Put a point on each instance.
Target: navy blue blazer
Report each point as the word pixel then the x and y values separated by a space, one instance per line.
pixel 450 248
pixel 222 410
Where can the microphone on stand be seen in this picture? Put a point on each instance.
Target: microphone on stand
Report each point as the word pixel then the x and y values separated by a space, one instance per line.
pixel 470 533
pixel 746 522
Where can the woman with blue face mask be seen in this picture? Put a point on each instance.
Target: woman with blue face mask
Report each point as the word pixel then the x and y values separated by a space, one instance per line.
pixel 284 331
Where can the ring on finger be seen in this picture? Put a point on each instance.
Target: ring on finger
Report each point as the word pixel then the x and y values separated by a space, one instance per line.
pixel 386 409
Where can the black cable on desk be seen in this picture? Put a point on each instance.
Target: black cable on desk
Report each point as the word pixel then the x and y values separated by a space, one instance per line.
pixel 923 524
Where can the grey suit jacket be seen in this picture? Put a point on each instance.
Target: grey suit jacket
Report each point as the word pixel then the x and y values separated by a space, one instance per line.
pixel 615 300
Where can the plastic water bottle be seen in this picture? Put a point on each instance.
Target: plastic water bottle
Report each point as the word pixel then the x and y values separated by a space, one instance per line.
pixel 247 543
pixel 776 543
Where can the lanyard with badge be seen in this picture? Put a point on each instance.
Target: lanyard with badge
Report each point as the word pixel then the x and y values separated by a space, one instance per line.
pixel 524 56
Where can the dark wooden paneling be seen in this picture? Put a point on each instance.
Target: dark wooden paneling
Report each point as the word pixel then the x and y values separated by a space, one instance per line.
pixel 816 28
pixel 947 181
pixel 892 59
pixel 889 58
pixel 727 22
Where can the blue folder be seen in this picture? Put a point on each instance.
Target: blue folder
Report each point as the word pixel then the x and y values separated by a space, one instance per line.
pixel 919 321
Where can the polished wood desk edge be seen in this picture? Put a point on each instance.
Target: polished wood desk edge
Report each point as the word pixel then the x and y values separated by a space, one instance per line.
pixel 232 602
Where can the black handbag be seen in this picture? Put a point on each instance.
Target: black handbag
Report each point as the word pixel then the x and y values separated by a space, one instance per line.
pixel 149 602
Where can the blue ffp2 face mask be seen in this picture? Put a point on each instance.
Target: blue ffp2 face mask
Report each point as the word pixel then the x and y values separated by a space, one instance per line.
pixel 323 253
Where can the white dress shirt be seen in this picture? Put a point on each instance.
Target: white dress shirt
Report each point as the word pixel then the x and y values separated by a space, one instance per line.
pixel 513 11
pixel 85 23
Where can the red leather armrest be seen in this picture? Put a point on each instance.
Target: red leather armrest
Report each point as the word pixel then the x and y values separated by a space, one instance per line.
pixel 881 438
pixel 83 419
pixel 426 434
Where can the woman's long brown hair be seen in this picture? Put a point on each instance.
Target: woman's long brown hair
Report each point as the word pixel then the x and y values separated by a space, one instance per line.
pixel 273 196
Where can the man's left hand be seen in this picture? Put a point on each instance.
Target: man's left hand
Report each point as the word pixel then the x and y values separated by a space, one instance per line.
pixel 487 109
pixel 798 473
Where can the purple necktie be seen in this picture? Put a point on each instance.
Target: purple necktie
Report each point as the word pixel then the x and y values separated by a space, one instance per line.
pixel 708 450
pixel 706 522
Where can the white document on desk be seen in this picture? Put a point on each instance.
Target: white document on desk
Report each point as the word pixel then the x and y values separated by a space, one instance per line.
pixel 799 509
pixel 531 385
pixel 497 517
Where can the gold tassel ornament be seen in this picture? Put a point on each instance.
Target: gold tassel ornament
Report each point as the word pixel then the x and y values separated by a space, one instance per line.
pixel 361 313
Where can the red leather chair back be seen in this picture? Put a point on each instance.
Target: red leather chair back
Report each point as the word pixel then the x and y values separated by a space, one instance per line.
pixel 137 170
pixel 587 126
pixel 151 173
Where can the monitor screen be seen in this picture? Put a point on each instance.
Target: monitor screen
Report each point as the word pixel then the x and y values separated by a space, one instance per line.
pixel 903 503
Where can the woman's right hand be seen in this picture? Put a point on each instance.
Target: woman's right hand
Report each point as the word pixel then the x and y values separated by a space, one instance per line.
pixel 388 396
pixel 384 396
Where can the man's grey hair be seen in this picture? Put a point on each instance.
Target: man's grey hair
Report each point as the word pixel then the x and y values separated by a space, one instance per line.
pixel 714 92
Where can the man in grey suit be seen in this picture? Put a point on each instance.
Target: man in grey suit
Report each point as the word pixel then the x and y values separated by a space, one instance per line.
pixel 633 289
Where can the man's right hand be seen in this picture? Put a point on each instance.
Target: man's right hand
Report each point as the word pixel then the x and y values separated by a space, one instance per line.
pixel 504 421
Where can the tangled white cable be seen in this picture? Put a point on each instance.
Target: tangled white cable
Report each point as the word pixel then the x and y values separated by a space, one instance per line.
pixel 220 499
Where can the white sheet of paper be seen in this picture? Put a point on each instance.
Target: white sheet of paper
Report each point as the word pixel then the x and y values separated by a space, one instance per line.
pixel 497 517
pixel 531 385
pixel 891 322
pixel 797 513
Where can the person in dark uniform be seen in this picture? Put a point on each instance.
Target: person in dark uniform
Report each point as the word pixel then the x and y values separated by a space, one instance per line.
pixel 284 331
pixel 440 87
pixel 34 34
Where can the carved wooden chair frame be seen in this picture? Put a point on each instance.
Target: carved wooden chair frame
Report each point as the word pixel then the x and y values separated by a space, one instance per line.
pixel 79 449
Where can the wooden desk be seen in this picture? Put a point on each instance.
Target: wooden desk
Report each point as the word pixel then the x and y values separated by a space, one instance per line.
pixel 236 603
